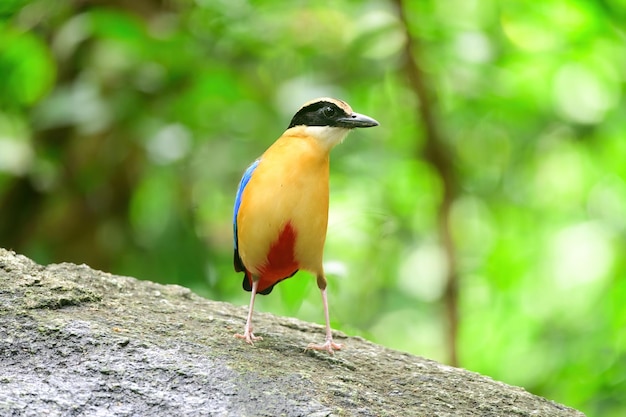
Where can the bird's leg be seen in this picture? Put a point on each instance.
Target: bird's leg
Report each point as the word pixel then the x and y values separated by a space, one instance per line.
pixel 329 346
pixel 247 335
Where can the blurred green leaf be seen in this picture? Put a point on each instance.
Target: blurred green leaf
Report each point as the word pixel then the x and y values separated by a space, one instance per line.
pixel 27 67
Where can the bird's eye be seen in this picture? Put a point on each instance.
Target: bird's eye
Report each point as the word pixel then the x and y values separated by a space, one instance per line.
pixel 328 111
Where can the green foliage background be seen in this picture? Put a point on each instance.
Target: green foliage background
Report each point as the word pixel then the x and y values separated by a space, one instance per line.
pixel 125 126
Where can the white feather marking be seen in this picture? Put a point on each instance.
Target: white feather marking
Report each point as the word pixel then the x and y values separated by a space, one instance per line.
pixel 327 136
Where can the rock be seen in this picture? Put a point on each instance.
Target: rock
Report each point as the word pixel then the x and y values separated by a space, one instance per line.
pixel 75 341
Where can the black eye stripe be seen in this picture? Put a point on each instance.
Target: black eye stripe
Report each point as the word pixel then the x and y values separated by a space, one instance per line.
pixel 321 113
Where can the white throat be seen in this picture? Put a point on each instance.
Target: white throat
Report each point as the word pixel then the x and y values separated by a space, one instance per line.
pixel 327 136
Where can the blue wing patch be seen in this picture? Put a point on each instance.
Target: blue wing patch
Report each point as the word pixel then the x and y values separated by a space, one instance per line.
pixel 242 185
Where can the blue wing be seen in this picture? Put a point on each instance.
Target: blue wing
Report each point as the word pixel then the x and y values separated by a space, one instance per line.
pixel 242 185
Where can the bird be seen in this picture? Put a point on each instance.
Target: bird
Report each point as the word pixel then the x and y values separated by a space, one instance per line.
pixel 281 206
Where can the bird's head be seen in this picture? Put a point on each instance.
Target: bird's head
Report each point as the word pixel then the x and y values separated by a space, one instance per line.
pixel 329 120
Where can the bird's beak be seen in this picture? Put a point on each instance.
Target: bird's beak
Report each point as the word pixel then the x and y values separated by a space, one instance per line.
pixel 356 120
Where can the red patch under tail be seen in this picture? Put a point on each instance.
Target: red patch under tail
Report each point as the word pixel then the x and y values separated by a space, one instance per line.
pixel 281 260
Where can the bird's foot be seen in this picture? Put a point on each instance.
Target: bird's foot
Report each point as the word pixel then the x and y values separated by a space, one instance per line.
pixel 329 346
pixel 248 336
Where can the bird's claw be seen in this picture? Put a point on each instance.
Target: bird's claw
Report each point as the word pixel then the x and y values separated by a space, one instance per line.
pixel 248 336
pixel 329 346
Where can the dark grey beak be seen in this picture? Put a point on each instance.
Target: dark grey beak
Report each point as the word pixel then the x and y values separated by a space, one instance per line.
pixel 356 120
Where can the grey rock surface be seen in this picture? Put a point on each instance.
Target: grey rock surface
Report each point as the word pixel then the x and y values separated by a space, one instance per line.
pixel 80 342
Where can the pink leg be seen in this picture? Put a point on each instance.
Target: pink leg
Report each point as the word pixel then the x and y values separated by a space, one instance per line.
pixel 329 346
pixel 247 335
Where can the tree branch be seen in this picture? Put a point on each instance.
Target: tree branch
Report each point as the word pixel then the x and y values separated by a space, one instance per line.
pixel 438 155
